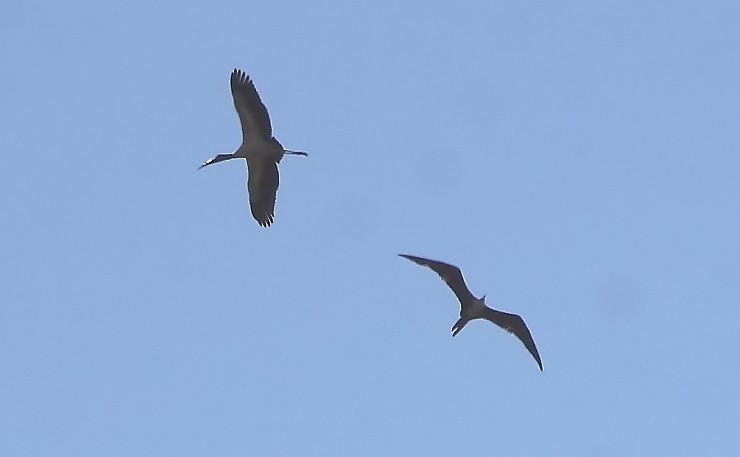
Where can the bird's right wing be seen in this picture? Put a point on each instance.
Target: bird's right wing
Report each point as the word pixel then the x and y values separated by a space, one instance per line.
pixel 262 186
pixel 252 112
pixel 450 274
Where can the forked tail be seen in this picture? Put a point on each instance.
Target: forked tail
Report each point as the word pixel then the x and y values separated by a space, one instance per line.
pixel 459 325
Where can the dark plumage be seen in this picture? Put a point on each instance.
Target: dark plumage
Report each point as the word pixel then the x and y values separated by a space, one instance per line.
pixel 475 308
pixel 261 150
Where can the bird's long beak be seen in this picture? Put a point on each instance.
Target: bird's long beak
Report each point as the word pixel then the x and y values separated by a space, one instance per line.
pixel 297 153
pixel 217 159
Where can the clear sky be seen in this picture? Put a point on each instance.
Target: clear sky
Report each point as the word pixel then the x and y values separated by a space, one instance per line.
pixel 580 161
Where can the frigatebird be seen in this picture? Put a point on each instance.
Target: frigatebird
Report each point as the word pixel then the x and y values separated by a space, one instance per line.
pixel 475 308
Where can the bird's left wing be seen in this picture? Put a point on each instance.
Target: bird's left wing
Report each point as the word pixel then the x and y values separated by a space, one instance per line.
pixel 514 323
pixel 252 112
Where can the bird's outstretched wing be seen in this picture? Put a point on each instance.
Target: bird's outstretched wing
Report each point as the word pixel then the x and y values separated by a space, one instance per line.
pixel 252 112
pixel 514 323
pixel 262 186
pixel 450 274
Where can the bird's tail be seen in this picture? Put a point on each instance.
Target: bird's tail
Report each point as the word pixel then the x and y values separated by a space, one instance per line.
pixel 459 326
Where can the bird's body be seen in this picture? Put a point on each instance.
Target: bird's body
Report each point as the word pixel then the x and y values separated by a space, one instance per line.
pixel 261 150
pixel 472 308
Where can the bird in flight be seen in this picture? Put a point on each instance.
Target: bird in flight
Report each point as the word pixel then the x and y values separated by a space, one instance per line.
pixel 261 150
pixel 475 308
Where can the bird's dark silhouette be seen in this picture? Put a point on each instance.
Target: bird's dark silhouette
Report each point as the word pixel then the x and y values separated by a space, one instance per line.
pixel 475 308
pixel 260 149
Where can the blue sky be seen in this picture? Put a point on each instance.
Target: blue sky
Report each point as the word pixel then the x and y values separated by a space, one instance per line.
pixel 580 163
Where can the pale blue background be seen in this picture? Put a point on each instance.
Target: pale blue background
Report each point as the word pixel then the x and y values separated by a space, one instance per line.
pixel 579 160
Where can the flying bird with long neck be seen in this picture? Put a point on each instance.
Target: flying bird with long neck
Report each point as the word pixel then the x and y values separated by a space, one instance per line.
pixel 472 308
pixel 260 149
